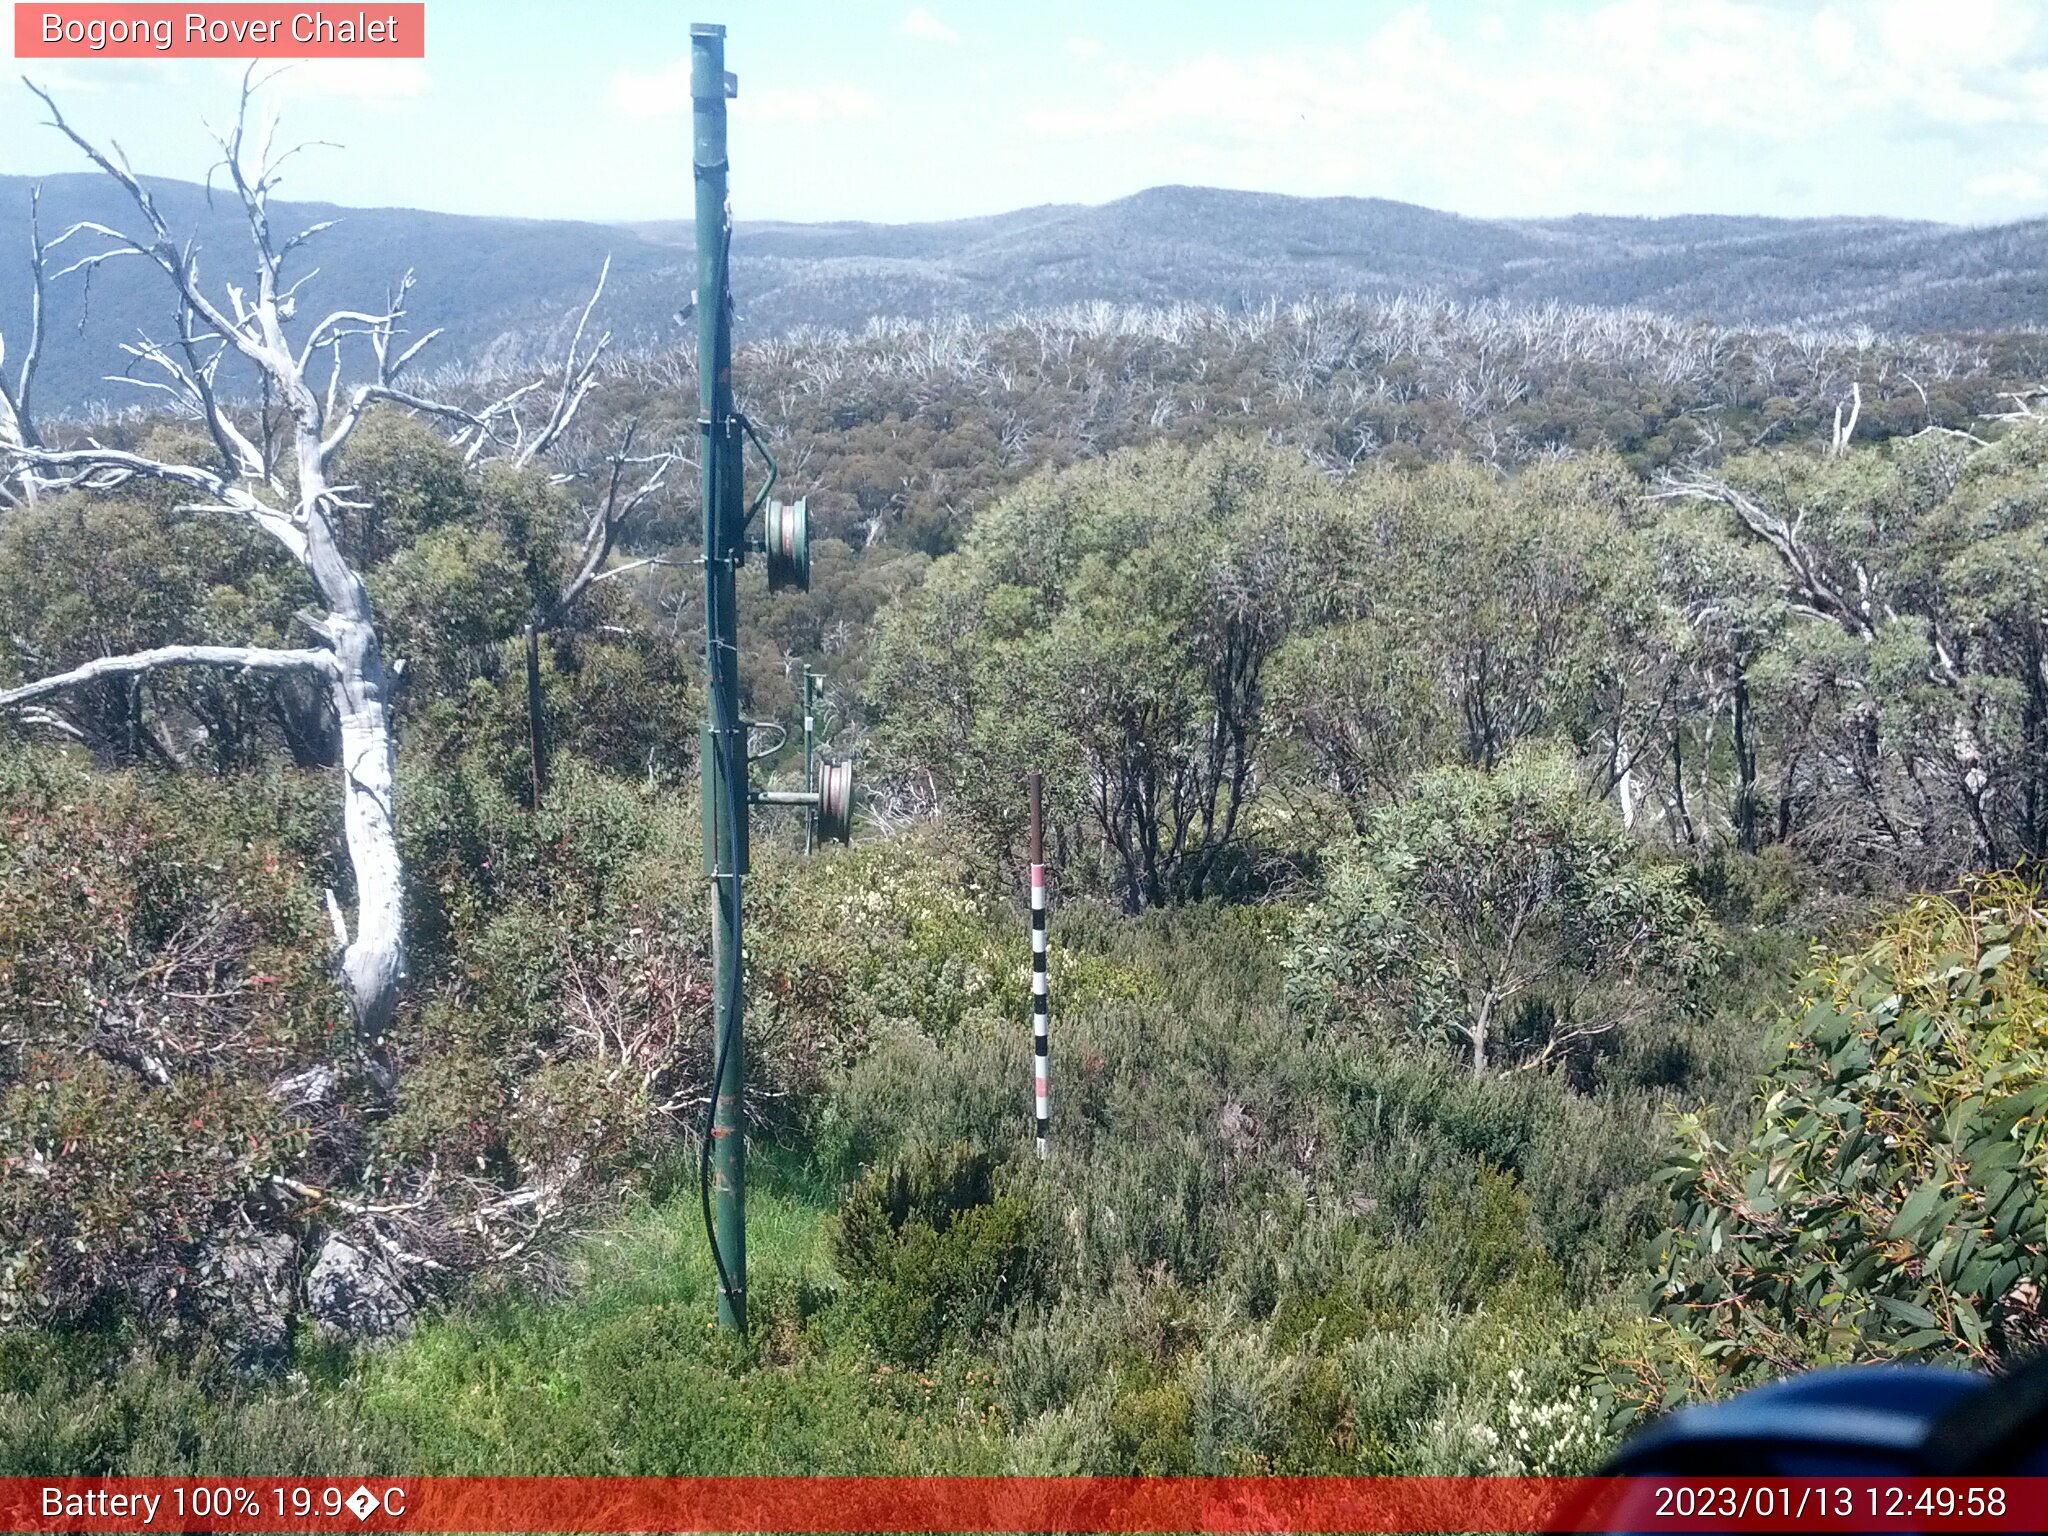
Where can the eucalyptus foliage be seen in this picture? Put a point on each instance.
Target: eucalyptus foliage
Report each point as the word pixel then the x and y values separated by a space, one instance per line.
pixel 1503 914
pixel 1111 625
pixel 1888 1198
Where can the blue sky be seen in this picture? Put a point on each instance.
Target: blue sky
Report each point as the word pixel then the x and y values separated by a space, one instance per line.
pixel 884 110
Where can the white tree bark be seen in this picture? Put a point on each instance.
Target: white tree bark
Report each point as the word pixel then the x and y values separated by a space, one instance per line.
pixel 1860 617
pixel 245 658
pixel 17 400
pixel 285 491
pixel 1625 782
pixel 1846 429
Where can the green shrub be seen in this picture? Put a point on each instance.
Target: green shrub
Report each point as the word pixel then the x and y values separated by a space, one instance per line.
pixel 1887 1200
pixel 162 963
pixel 908 1091
pixel 96 1404
pixel 1477 1395
pixel 1151 1429
pixel 885 937
pixel 934 1252
pixel 1502 915
pixel 1479 1236
pixel 1242 1399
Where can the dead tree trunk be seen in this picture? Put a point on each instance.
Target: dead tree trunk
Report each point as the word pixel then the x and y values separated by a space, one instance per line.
pixel 285 490
pixel 614 510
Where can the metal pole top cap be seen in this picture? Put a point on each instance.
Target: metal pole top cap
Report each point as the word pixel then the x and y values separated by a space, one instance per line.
pixel 707 29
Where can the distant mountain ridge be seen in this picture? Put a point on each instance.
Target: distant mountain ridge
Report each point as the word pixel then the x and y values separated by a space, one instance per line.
pixel 503 288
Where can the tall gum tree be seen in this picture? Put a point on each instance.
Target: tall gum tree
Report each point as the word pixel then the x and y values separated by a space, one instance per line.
pixel 273 469
pixel 1926 564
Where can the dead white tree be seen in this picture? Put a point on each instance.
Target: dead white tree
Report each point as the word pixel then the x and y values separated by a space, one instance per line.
pixel 17 404
pixel 608 519
pixel 1845 426
pixel 276 473
pixel 1860 614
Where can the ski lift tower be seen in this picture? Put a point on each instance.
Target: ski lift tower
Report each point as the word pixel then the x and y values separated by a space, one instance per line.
pixel 828 785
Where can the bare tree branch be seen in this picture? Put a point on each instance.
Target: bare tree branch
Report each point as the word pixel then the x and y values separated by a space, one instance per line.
pixel 579 377
pixel 49 719
pixel 610 518
pixel 1783 538
pixel 626 568
pixel 243 658
pixel 104 469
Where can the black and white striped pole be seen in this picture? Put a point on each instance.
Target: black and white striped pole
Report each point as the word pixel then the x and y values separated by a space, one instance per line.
pixel 1041 1001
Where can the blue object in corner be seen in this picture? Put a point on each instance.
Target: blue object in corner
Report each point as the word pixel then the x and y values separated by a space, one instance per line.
pixel 1854 1421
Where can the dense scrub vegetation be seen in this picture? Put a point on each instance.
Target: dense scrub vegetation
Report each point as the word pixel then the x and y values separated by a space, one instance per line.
pixel 1444 802
pixel 1887 1198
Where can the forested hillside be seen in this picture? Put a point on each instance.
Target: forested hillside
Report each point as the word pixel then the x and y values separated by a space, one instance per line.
pixel 506 291
pixel 1208 245
pixel 1529 789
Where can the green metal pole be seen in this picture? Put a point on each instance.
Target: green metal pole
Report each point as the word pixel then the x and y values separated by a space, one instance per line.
pixel 725 756
pixel 810 758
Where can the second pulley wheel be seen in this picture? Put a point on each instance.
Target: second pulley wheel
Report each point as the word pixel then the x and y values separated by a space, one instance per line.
pixel 835 800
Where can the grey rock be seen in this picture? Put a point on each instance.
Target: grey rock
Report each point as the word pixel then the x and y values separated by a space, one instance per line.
pixel 302 1090
pixel 251 1291
pixel 354 1294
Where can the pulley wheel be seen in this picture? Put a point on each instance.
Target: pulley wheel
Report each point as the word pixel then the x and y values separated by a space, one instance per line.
pixel 835 800
pixel 788 531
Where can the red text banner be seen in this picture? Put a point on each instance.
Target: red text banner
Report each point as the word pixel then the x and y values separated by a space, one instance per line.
pixel 1017 1504
pixel 235 31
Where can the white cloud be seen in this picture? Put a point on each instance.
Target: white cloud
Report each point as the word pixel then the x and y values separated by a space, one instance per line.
pixel 2009 186
pixel 1834 38
pixel 62 79
pixel 344 79
pixel 1084 47
pixel 2016 184
pixel 1632 103
pixel 824 104
pixel 1957 34
pixel 651 95
pixel 658 94
pixel 921 23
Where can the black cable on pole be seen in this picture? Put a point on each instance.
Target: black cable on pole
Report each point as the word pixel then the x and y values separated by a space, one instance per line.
pixel 730 772
pixel 747 426
pixel 719 1059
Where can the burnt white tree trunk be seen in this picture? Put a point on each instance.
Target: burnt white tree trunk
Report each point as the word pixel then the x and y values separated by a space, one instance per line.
pixel 1859 615
pixel 284 489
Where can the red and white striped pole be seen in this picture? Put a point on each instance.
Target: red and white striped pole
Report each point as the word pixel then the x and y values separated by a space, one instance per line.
pixel 1041 1008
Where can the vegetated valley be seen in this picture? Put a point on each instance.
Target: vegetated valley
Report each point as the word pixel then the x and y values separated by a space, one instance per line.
pixel 1544 805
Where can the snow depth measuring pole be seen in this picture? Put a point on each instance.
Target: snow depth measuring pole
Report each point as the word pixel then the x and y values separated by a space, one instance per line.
pixel 1041 1002
pixel 723 762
